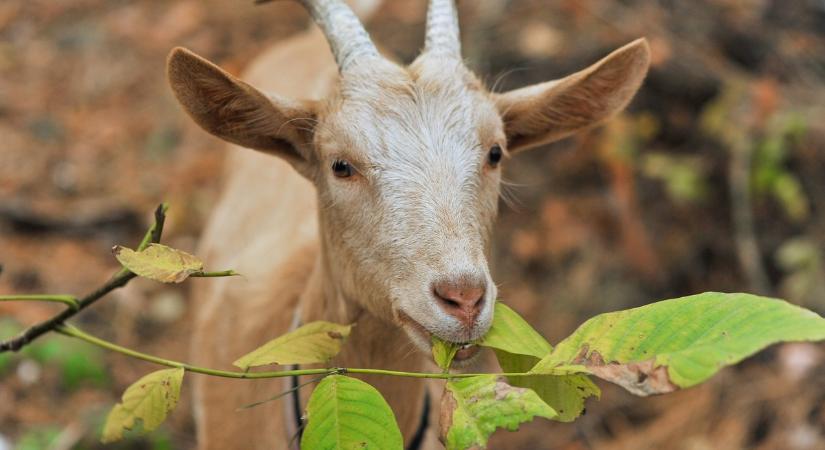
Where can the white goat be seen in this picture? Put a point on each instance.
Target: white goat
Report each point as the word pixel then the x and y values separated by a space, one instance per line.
pixel 378 210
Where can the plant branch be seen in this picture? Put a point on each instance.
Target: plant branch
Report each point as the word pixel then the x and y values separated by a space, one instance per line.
pixel 68 300
pixel 75 332
pixel 120 279
pixel 123 276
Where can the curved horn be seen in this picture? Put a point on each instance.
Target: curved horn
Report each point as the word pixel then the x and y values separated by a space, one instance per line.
pixel 346 35
pixel 442 29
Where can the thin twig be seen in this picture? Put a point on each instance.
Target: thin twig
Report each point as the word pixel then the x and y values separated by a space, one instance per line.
pixel 75 332
pixel 68 300
pixel 120 279
pixel 281 395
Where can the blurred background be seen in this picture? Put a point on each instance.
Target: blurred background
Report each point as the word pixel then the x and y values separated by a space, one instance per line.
pixel 714 179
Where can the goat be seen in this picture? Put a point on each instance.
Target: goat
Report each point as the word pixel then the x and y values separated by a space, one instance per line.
pixel 378 209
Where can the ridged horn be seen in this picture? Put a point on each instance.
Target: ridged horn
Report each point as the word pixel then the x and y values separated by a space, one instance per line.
pixel 345 34
pixel 442 36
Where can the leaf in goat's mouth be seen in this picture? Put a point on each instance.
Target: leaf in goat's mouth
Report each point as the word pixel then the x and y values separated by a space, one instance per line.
pixel 444 352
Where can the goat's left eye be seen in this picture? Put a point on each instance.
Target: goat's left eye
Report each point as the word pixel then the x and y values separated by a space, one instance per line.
pixel 494 157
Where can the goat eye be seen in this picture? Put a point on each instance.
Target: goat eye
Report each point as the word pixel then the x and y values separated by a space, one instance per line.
pixel 342 169
pixel 494 157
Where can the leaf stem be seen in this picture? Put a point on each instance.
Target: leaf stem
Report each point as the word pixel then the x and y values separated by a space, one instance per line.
pixel 68 300
pixel 224 273
pixel 75 332
pixel 152 236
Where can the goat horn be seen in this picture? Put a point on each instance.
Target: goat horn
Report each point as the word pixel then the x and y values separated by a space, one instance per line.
pixel 345 34
pixel 442 36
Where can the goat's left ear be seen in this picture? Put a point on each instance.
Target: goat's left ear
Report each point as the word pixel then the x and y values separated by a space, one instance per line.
pixel 549 111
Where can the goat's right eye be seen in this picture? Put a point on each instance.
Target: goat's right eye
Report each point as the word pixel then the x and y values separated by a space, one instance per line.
pixel 342 169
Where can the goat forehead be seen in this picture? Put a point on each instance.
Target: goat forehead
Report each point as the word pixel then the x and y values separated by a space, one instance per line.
pixel 432 144
pixel 422 118
pixel 429 147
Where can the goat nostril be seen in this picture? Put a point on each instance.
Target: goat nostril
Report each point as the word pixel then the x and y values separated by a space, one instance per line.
pixel 451 303
pixel 462 300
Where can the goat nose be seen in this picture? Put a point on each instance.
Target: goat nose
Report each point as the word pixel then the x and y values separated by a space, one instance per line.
pixel 461 298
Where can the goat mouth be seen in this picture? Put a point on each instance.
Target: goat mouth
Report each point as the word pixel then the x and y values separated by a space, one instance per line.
pixel 466 351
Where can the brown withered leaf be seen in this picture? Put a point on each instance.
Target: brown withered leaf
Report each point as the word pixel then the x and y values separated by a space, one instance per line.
pixel 639 378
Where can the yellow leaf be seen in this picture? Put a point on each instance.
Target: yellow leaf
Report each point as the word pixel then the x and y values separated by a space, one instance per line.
pixel 159 262
pixel 149 399
pixel 315 342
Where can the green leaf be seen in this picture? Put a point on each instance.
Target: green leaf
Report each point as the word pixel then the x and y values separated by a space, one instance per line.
pixel 315 342
pixel 511 333
pixel 679 343
pixel 347 413
pixel 149 399
pixel 159 262
pixel 443 352
pixel 564 393
pixel 473 408
pixel 519 347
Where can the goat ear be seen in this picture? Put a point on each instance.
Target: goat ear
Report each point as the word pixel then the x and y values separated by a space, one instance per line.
pixel 549 111
pixel 238 113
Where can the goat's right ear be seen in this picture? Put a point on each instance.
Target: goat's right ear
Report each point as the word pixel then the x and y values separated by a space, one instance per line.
pixel 549 111
pixel 237 112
